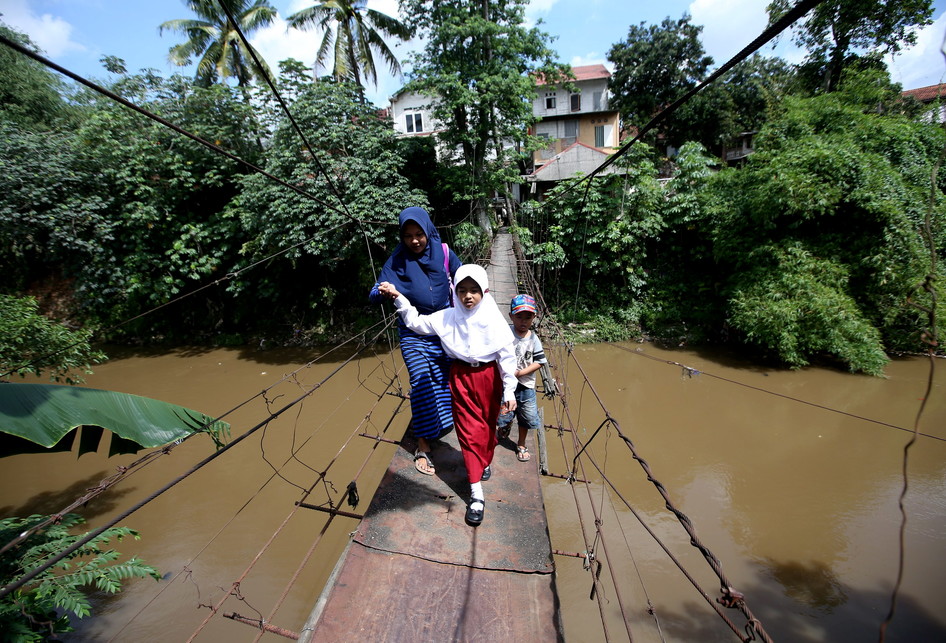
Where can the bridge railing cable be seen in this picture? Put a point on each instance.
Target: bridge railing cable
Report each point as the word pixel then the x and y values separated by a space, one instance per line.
pixel 19 582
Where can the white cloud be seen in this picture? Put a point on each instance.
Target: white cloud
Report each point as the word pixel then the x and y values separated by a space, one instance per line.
pixel 728 25
pixel 537 7
pixel 277 42
pixel 51 34
pixel 591 58
pixel 924 63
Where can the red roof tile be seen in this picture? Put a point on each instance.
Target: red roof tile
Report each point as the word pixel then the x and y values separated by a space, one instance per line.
pixel 583 72
pixel 927 94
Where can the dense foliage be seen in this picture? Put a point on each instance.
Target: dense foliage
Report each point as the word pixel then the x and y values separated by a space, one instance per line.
pixel 45 606
pixel 31 343
pixel 326 244
pixel 837 32
pixel 810 251
pixel 480 62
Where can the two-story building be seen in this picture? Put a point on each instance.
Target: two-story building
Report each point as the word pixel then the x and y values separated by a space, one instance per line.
pixel 575 119
pixel 576 112
pixel 581 129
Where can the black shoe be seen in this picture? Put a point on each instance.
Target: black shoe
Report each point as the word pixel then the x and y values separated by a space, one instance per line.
pixel 487 474
pixel 475 516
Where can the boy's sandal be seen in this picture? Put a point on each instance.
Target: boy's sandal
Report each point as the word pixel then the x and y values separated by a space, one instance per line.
pixel 425 457
pixel 475 516
pixel 523 454
pixel 504 431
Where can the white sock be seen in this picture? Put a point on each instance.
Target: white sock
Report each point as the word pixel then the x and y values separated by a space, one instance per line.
pixel 476 491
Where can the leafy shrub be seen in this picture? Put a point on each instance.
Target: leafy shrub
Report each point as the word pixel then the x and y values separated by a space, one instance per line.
pixel 32 343
pixel 35 611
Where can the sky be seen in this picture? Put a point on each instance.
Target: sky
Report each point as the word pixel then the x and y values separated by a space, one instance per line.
pixel 76 34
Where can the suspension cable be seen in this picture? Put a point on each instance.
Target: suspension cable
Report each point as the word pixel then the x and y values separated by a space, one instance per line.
pixel 295 125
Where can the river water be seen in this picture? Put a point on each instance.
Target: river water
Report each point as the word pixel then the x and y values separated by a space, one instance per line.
pixel 790 479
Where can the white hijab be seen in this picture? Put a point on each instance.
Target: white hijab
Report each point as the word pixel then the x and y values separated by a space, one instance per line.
pixel 476 334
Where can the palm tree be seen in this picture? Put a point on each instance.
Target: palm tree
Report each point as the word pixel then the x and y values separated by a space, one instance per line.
pixel 357 32
pixel 214 38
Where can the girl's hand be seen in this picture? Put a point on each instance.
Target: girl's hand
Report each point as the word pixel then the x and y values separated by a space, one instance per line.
pixel 508 406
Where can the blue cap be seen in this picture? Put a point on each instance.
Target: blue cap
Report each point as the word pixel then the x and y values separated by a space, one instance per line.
pixel 522 303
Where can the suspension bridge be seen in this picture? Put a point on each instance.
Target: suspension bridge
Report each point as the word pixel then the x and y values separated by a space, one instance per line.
pixel 414 569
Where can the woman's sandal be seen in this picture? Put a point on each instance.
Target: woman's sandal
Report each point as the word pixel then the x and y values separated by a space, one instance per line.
pixel 522 453
pixel 475 516
pixel 424 455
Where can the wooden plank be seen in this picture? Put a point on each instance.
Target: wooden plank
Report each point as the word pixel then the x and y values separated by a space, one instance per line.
pixel 381 596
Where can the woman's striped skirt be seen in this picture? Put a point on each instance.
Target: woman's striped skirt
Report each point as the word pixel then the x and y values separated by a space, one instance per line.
pixel 429 369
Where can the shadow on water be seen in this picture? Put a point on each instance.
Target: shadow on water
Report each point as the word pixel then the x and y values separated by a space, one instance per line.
pixel 49 502
pixel 279 356
pixel 727 357
pixel 864 613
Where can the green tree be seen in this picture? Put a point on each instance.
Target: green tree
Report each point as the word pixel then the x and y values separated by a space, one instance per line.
pixel 654 66
pixel 214 39
pixel 737 102
pixel 478 66
pixel 45 606
pixel 354 34
pixel 52 215
pixel 596 249
pixel 320 244
pixel 33 343
pixel 835 29
pixel 827 215
pixel 166 197
pixel 30 94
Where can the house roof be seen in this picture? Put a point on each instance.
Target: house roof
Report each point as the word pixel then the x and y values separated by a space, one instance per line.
pixel 577 158
pixel 927 94
pixel 583 72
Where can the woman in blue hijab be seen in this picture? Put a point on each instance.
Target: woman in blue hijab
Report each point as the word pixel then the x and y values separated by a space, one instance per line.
pixel 418 268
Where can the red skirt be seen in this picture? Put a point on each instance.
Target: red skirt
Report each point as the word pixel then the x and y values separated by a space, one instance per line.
pixel 476 398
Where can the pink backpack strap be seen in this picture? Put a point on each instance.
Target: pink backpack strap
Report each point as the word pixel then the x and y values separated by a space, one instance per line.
pixel 446 269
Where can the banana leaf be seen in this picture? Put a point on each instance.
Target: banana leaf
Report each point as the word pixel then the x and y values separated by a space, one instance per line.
pixel 44 413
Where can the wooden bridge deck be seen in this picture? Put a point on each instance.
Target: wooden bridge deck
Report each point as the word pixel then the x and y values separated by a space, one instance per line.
pixel 414 570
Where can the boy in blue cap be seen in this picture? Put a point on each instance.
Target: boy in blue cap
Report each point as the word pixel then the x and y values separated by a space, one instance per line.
pixel 529 358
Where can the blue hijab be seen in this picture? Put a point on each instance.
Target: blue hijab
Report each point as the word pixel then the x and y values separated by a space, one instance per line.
pixel 419 277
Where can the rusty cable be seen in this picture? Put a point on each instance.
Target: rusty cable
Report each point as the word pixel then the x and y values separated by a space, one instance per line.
pixel 16 584
pixel 931 337
pixel 730 597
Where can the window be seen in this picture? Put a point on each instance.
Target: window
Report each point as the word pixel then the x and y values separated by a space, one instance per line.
pixel 548 151
pixel 549 100
pixel 415 122
pixel 599 135
pixel 571 128
pixel 596 101
pixel 576 102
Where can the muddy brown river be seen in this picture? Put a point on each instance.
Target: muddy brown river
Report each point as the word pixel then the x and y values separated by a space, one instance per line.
pixel 791 479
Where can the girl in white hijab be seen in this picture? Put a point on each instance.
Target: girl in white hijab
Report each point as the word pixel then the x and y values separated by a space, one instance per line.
pixel 475 333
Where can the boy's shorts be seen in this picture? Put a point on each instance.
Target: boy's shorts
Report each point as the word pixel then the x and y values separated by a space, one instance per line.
pixel 527 411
